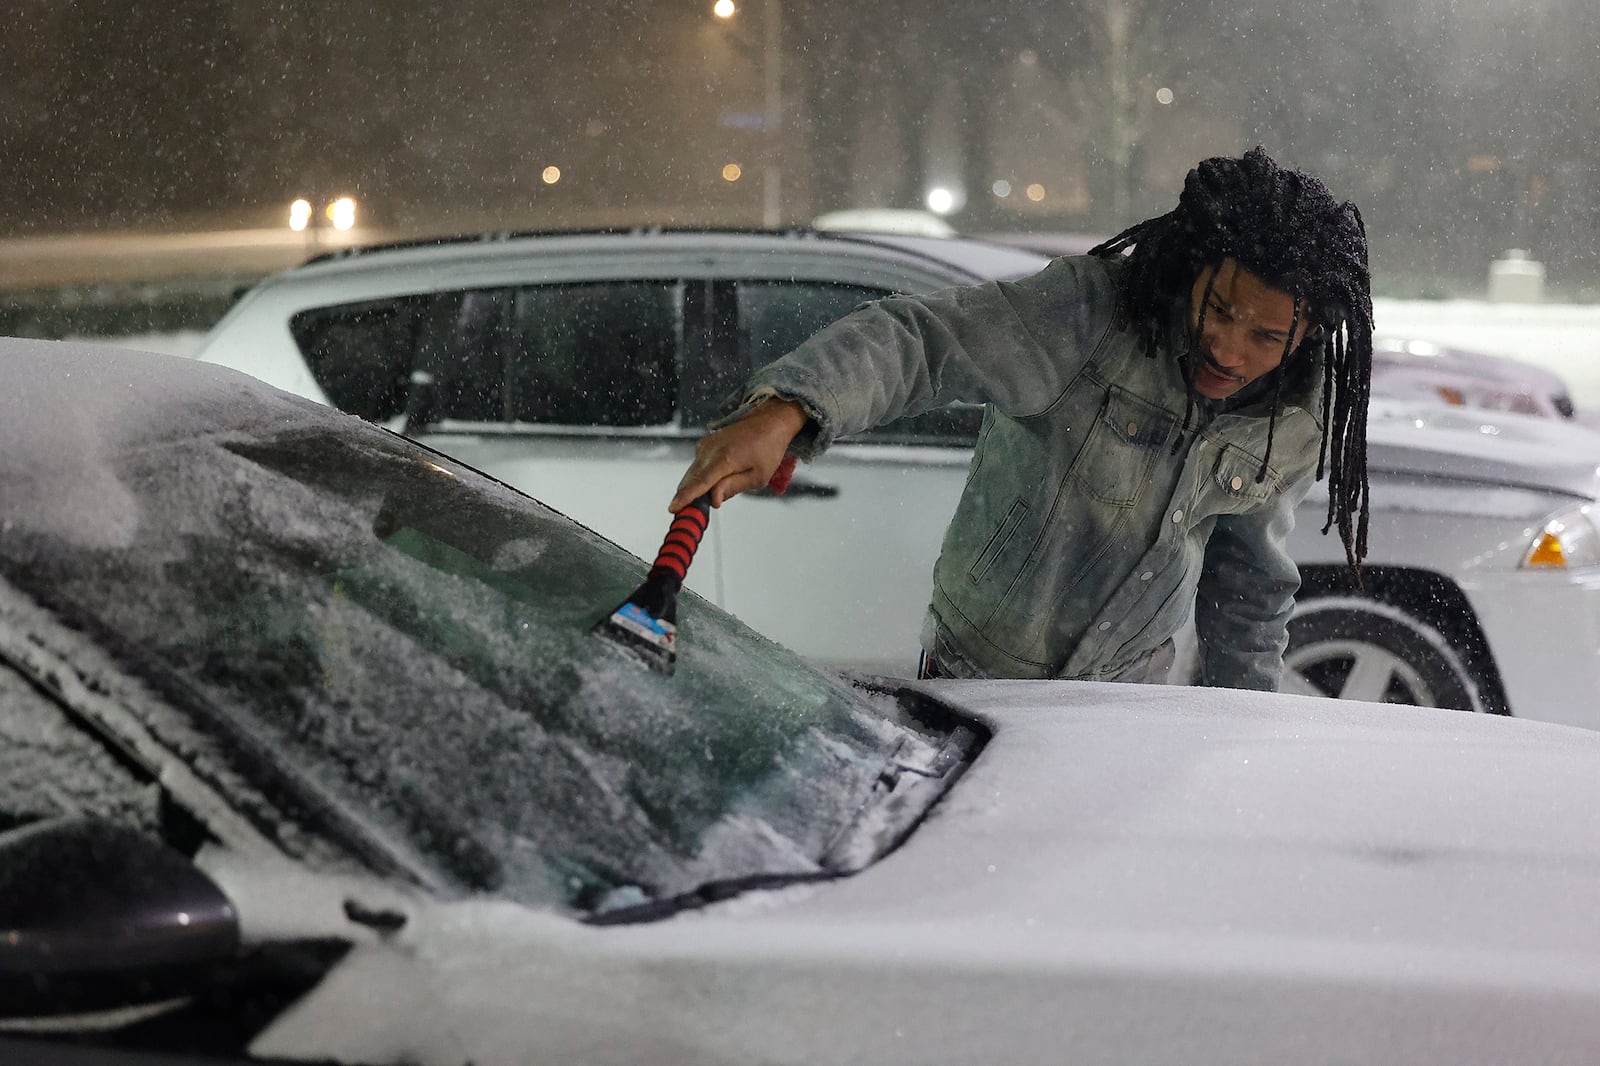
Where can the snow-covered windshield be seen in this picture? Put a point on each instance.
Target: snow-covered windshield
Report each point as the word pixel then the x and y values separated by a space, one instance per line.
pixel 416 641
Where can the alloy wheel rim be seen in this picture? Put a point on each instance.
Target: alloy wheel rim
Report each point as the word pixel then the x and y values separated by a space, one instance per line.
pixel 1355 670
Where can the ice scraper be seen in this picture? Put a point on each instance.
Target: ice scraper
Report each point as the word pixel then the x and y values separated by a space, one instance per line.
pixel 646 625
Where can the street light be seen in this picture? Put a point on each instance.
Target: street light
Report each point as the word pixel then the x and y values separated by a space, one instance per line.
pixel 772 110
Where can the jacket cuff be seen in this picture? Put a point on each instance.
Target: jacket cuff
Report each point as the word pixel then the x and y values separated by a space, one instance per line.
pixel 810 442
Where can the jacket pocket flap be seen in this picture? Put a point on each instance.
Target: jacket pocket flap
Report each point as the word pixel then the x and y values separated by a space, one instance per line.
pixel 1136 421
pixel 1236 475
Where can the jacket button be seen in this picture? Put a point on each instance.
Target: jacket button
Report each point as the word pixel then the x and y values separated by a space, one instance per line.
pixel 1236 484
pixel 1104 626
pixel 1133 429
pixel 1147 575
pixel 1177 516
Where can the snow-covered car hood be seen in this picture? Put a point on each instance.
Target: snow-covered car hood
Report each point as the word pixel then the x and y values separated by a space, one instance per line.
pixel 1127 874
pixel 1274 815
pixel 1489 446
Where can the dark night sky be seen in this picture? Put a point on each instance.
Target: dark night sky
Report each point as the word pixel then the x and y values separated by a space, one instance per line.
pixel 1459 127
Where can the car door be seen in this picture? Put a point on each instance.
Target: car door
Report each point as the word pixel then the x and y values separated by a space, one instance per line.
pixel 840 567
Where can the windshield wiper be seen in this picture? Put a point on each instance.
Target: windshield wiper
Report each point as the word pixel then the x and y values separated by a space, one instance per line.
pixel 902 796
pixel 905 791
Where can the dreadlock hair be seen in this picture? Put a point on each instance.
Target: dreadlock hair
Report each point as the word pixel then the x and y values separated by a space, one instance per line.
pixel 1285 227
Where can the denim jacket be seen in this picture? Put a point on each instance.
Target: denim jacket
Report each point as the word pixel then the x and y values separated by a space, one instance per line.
pixel 1090 526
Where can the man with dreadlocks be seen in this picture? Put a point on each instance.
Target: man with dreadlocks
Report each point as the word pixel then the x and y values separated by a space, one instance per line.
pixel 1154 412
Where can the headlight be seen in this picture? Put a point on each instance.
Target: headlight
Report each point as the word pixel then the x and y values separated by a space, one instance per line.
pixel 342 213
pixel 1567 540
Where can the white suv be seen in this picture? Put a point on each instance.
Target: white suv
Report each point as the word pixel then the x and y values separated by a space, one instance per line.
pixel 583 367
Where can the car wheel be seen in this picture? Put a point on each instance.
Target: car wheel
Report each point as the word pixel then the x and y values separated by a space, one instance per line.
pixel 1359 649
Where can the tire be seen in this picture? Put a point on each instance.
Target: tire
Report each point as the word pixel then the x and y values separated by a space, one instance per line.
pixel 1361 649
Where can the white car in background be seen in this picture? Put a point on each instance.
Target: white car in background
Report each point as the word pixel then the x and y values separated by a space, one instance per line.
pixel 583 367
pixel 1422 370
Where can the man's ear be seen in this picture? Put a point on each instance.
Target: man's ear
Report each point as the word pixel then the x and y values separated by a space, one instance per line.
pixel 1309 341
pixel 1315 331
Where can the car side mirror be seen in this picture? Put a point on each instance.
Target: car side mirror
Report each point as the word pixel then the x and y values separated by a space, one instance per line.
pixel 93 908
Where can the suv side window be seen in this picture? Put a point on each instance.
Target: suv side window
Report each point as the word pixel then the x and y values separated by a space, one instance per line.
pixel 776 316
pixel 588 354
pixel 600 354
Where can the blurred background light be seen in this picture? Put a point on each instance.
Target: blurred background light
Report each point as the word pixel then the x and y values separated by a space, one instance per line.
pixel 342 213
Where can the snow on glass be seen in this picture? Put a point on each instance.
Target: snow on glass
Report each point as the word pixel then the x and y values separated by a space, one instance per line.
pixel 416 643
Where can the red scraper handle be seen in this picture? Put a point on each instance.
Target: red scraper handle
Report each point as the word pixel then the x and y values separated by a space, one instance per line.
pixel 782 476
pixel 687 529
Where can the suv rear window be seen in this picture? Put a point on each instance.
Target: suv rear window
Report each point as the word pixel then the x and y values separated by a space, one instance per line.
pixel 590 354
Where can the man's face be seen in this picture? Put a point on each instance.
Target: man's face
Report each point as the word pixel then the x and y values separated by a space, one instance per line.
pixel 1246 331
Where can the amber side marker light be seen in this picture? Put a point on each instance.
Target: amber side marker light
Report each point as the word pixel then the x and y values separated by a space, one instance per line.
pixel 1567 541
pixel 1547 551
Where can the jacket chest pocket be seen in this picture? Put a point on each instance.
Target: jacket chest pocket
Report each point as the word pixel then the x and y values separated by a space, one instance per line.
pixel 1127 439
pixel 1232 487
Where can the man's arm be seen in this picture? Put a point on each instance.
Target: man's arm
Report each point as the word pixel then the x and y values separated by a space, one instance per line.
pixel 1246 593
pixel 1013 344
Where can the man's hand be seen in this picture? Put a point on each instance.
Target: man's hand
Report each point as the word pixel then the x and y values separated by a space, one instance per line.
pixel 741 455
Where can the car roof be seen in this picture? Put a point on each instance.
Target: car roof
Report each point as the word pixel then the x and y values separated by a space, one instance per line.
pixel 981 260
pixel 1049 242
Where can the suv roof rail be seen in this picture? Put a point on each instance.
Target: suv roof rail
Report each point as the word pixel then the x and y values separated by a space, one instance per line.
pixel 504 236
